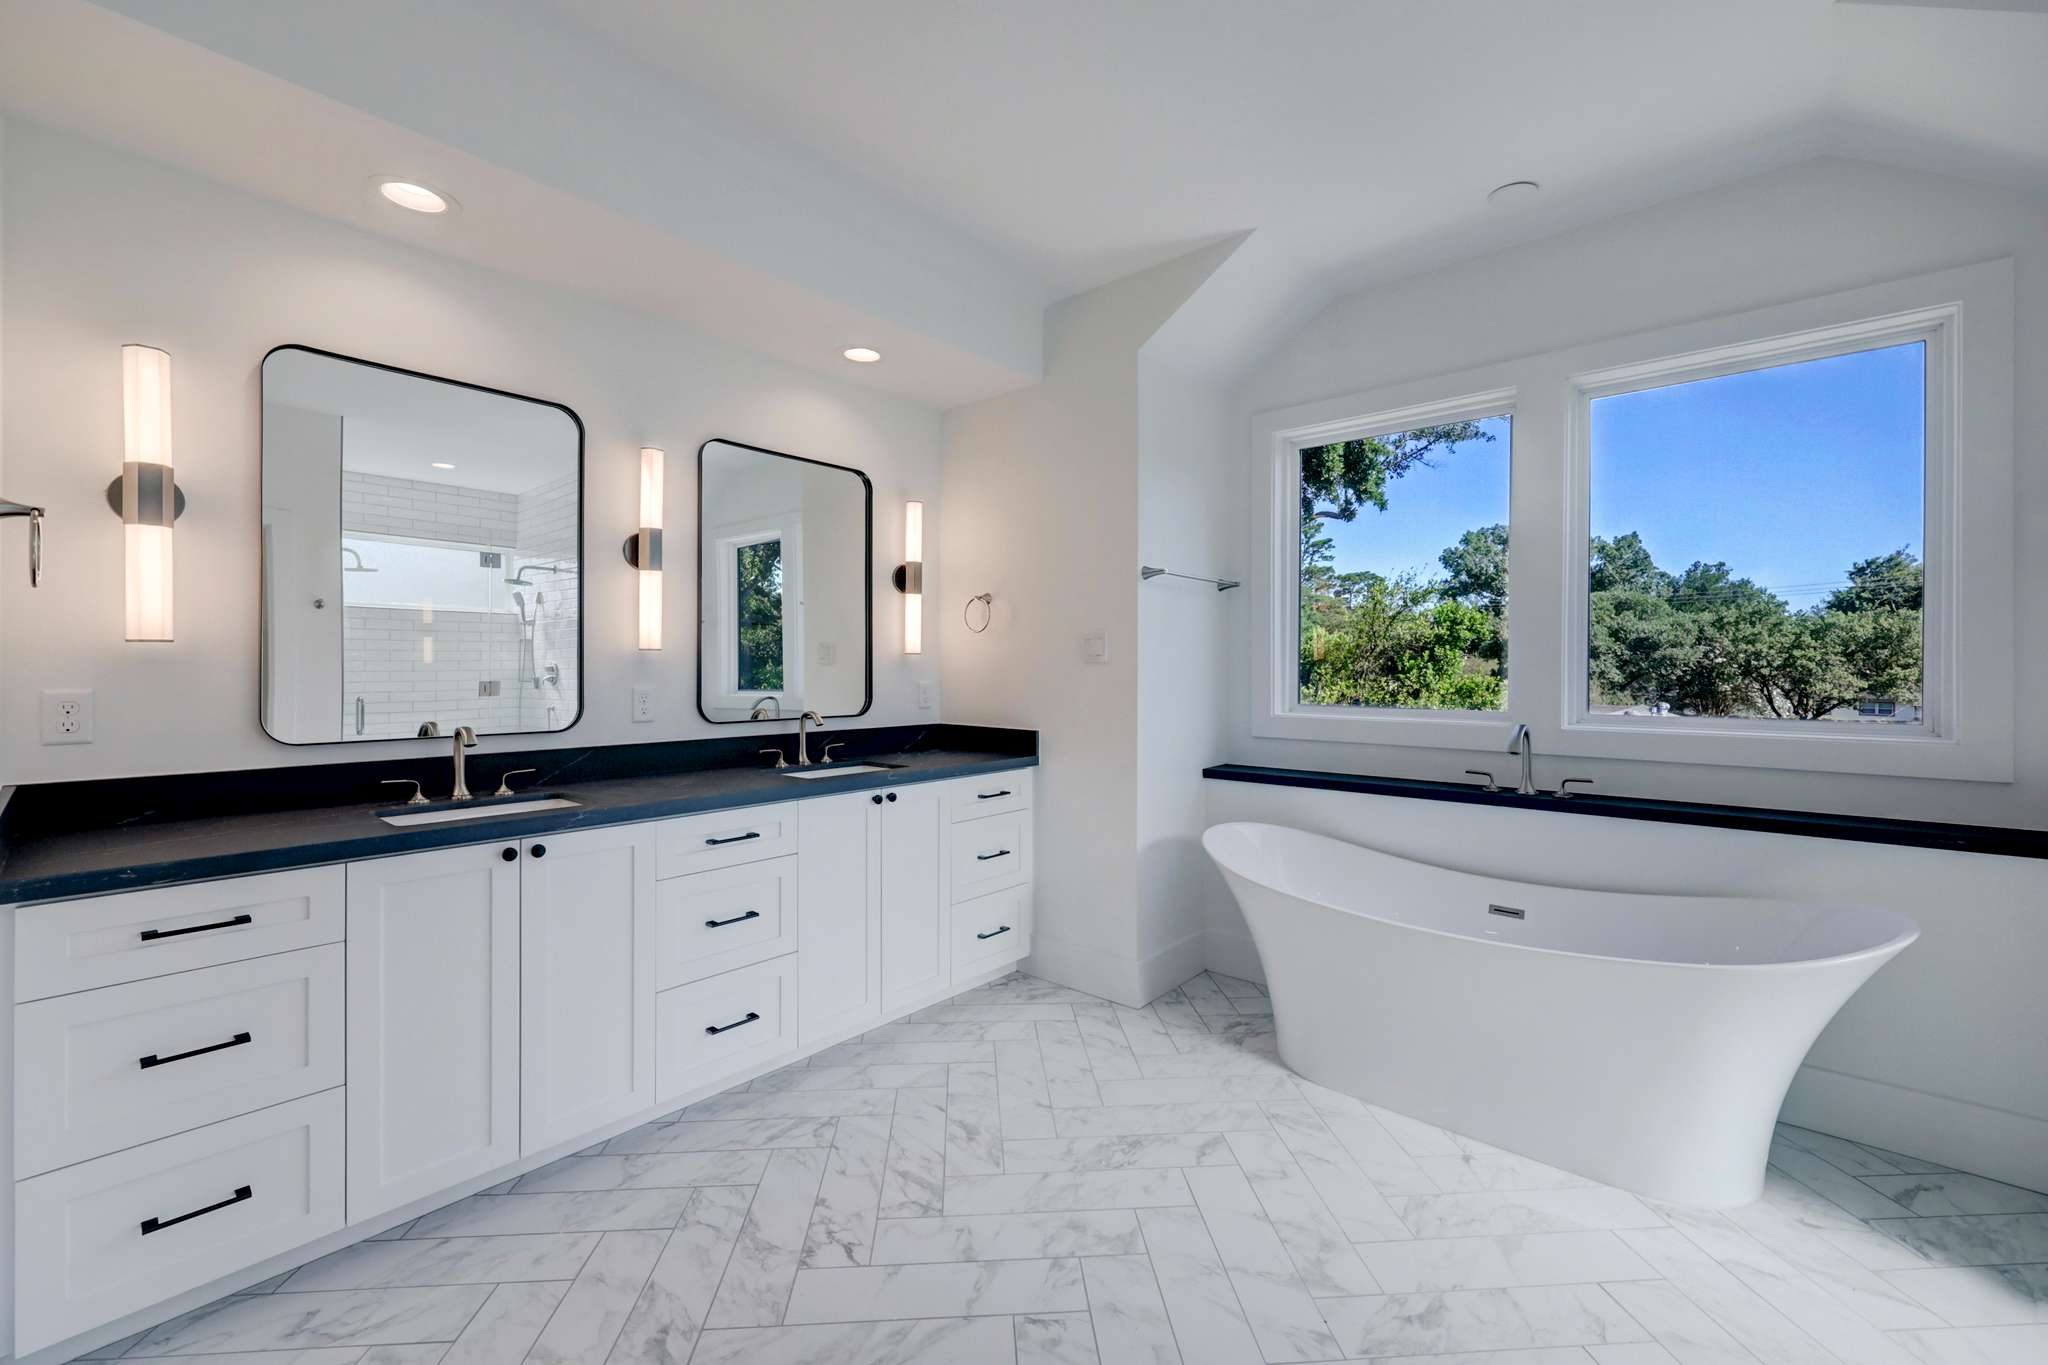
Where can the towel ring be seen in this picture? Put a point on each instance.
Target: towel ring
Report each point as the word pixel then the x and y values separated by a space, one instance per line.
pixel 988 613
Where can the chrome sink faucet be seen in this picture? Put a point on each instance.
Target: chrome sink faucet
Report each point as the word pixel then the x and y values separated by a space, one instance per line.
pixel 465 738
pixel 803 739
pixel 1520 743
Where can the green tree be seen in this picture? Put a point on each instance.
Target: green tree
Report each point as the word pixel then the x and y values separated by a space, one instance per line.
pixel 759 584
pixel 1624 565
pixel 1476 574
pixel 1888 582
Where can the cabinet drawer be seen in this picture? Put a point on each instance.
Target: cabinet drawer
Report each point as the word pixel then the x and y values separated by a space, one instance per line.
pixel 704 1030
pixel 77 945
pixel 712 922
pixel 110 1236
pixel 991 930
pixel 997 794
pixel 722 838
pixel 114 1067
pixel 989 854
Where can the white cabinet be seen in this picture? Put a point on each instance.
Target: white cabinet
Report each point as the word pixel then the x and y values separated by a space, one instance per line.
pixel 727 1024
pixel 586 996
pixel 914 923
pixel 125 1064
pixel 433 1022
pixel 117 1234
pixel 839 916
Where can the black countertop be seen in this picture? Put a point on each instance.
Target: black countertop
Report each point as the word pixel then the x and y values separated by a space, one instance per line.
pixel 2012 843
pixel 64 840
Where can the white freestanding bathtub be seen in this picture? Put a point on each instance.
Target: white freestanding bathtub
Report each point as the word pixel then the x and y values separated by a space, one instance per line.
pixel 1641 1040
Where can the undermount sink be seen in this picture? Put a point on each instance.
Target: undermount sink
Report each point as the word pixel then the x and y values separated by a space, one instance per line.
pixel 483 810
pixel 839 770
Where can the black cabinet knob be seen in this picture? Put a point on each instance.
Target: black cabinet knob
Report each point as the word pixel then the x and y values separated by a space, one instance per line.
pixel 539 850
pixel 510 855
pixel 892 796
pixel 876 799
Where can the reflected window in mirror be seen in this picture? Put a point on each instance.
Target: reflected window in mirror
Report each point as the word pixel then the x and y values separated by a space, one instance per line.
pixel 785 590
pixel 422 555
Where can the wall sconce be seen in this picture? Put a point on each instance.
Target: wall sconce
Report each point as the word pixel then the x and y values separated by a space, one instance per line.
pixel 146 496
pixel 643 550
pixel 909 578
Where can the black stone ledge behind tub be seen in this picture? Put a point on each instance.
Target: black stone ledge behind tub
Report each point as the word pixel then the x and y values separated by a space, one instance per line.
pixel 68 839
pixel 2007 842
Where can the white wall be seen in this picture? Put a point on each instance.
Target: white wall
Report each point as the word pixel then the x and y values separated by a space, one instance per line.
pixel 1814 229
pixel 104 247
pixel 1938 1055
pixel 1042 510
pixel 1186 522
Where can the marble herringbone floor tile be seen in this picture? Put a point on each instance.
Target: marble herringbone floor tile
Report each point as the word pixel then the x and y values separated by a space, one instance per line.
pixel 1028 1175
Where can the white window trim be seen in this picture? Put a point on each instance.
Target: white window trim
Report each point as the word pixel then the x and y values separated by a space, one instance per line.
pixel 1968 730
pixel 1284 715
pixel 727 542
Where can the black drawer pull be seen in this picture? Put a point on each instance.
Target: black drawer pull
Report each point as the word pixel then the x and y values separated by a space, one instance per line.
pixel 150 935
pixel 721 923
pixel 993 932
pixel 242 1193
pixel 990 796
pixel 999 853
pixel 153 1060
pixel 721 1028
pixel 737 838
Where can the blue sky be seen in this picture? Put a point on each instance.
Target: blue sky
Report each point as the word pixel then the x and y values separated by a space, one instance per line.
pixel 1789 474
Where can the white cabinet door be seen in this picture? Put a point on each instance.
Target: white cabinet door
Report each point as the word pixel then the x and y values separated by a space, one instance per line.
pixel 433 1022
pixel 587 959
pixel 839 916
pixel 915 956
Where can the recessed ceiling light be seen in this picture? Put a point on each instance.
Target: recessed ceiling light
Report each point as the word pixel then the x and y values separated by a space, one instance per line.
pixel 1514 192
pixel 439 465
pixel 862 355
pixel 418 198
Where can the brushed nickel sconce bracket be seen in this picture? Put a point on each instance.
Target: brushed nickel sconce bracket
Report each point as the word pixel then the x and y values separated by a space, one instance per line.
pixel 642 549
pixel 149 481
pixel 909 577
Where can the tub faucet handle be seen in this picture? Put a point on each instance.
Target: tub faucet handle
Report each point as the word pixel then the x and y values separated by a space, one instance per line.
pixel 1490 786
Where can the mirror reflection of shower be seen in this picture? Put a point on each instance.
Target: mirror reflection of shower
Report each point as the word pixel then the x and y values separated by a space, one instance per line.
pixel 358 566
pixel 518 576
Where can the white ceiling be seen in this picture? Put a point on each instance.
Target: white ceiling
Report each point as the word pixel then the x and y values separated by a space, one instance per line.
pixel 400 425
pixel 797 176
pixel 1093 138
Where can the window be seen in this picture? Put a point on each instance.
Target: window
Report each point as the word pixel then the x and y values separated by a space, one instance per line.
pixel 1782 540
pixel 1758 543
pixel 757 576
pixel 1402 568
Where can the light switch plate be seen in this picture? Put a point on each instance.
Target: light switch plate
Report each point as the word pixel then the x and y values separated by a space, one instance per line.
pixel 67 717
pixel 1095 647
pixel 643 704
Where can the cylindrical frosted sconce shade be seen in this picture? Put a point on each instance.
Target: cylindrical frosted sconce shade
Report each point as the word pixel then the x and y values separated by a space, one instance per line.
pixel 648 552
pixel 913 578
pixel 148 491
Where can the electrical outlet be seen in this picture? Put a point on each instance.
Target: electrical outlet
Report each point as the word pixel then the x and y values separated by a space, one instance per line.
pixel 1095 647
pixel 924 696
pixel 643 704
pixel 67 717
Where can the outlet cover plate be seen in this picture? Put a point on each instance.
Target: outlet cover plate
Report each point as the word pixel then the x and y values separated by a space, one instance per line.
pixel 67 716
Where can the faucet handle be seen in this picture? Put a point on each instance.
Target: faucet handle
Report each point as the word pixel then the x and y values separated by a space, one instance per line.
pixel 418 798
pixel 1490 786
pixel 835 744
pixel 1564 788
pixel 780 761
pixel 505 782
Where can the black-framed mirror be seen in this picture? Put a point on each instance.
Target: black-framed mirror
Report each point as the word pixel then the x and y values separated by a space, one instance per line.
pixel 785 585
pixel 422 554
